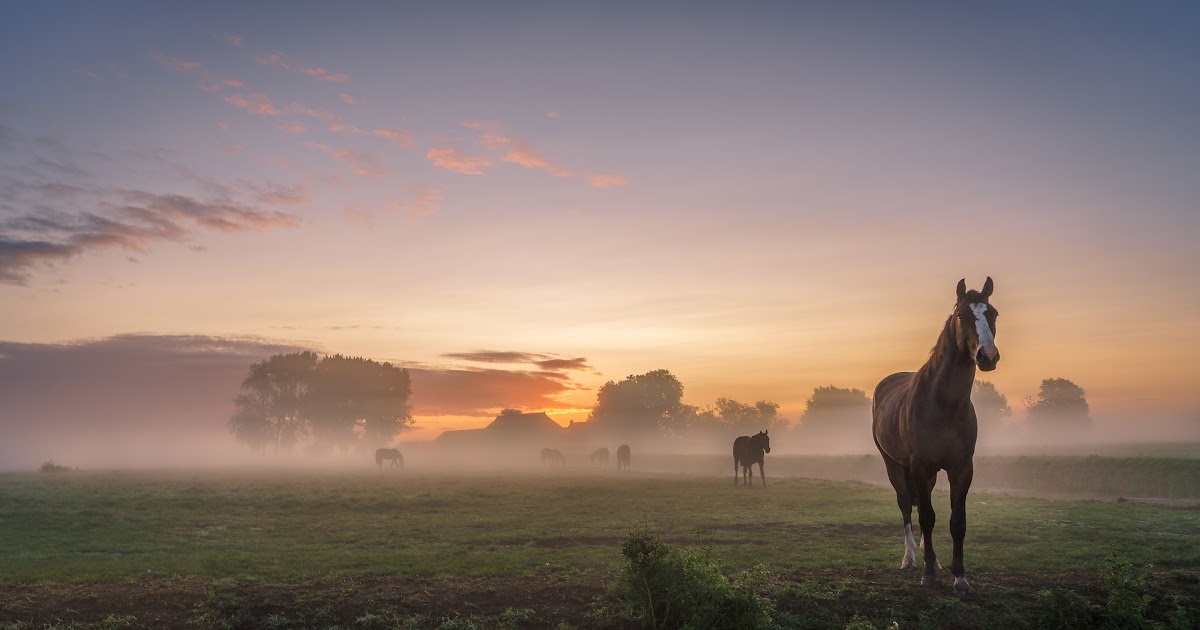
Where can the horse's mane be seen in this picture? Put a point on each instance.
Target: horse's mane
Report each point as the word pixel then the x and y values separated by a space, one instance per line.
pixel 946 348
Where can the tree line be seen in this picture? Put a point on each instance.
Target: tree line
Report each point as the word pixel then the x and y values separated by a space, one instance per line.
pixel 334 402
pixel 339 402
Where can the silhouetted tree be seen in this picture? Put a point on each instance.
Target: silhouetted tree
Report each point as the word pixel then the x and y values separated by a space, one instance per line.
pixel 268 411
pixel 748 418
pixel 337 401
pixel 836 413
pixel 1060 404
pixel 990 405
pixel 639 403
pixel 349 395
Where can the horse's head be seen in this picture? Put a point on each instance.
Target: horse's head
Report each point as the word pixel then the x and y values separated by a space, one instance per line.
pixel 975 325
pixel 763 440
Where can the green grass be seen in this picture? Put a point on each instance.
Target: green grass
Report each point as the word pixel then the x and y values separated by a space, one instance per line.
pixel 829 546
pixel 126 525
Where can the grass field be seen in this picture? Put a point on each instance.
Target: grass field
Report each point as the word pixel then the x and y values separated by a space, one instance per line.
pixel 370 548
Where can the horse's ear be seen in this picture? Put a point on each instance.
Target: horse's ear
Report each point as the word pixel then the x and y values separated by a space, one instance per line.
pixel 766 431
pixel 987 288
pixel 962 289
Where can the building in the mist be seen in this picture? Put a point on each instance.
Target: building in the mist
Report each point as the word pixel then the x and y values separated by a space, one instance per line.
pixel 509 428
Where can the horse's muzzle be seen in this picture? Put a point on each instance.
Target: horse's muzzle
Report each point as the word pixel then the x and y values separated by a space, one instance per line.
pixel 987 358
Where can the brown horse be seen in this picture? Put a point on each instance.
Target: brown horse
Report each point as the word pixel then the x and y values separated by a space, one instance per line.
pixel 553 456
pixel 924 422
pixel 389 453
pixel 623 457
pixel 748 451
pixel 600 457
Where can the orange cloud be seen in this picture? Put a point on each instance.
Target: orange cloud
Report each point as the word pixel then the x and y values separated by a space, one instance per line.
pixel 350 100
pixel 452 159
pixel 208 81
pixel 517 151
pixel 399 137
pixel 277 59
pixel 482 392
pixel 255 103
pixel 360 163
pixel 607 180
pixel 344 129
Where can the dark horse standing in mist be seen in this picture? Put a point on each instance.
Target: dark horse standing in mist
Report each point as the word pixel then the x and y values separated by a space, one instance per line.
pixel 748 451
pixel 924 422
pixel 623 457
pixel 389 453
pixel 553 456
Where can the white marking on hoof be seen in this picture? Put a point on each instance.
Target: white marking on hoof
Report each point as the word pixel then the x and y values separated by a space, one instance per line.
pixel 928 580
pixel 961 587
pixel 910 549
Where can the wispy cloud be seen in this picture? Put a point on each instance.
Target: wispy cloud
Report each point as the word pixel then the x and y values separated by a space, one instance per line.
pixel 234 39
pixel 292 127
pixel 452 159
pixel 360 162
pixel 516 150
pixel 284 195
pixel 279 60
pixel 421 201
pixel 544 361
pixel 209 81
pixel 139 219
pixel 254 102
pixel 607 180
pixel 350 100
pixel 399 137
pixel 177 64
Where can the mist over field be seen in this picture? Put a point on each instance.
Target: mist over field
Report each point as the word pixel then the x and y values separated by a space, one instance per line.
pixel 164 402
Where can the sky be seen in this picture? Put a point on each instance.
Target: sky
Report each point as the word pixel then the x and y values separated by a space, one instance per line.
pixel 521 201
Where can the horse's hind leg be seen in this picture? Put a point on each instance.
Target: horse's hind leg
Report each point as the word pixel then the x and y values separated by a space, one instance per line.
pixel 736 471
pixel 898 475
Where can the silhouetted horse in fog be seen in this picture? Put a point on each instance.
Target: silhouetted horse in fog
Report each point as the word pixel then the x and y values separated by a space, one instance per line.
pixel 623 457
pixel 552 456
pixel 389 453
pixel 600 457
pixel 924 422
pixel 748 451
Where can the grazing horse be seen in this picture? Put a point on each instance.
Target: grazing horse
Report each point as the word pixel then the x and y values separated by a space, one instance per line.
pixel 748 451
pixel 553 456
pixel 924 422
pixel 389 453
pixel 623 457
pixel 600 457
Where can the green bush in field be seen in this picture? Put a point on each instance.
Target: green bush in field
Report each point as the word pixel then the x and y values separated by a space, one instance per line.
pixel 1127 598
pixel 1062 609
pixel 665 587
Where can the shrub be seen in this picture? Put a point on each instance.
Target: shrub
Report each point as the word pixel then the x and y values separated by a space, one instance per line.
pixel 665 587
pixel 51 467
pixel 1127 599
pixel 1062 609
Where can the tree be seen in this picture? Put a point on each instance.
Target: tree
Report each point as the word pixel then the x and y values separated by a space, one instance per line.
pixel 639 403
pixel 1059 404
pixel 990 405
pixel 336 401
pixel 837 414
pixel 744 418
pixel 268 409
pixel 349 396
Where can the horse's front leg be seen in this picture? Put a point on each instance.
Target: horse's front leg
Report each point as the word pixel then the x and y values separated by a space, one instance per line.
pixel 924 492
pixel 960 483
pixel 761 474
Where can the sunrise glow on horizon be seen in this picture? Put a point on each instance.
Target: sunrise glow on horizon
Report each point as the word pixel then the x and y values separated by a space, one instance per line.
pixel 528 200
